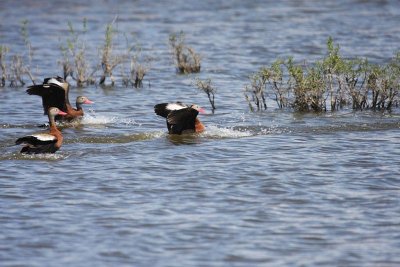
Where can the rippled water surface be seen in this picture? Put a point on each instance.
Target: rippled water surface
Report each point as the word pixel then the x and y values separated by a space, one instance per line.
pixel 275 188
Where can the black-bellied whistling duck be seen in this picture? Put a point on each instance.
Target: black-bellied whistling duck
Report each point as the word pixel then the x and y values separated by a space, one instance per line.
pixel 181 118
pixel 78 112
pixel 44 142
pixel 54 92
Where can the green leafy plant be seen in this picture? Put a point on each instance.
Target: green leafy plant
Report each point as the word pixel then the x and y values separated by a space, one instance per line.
pixel 274 77
pixel 108 60
pixel 384 84
pixel 333 82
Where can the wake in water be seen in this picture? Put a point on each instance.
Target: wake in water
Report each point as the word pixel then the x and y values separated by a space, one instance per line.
pixel 93 119
pixel 116 139
pixel 211 132
pixel 40 157
pixel 216 132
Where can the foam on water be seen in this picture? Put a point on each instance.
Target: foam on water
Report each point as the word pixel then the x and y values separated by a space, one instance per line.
pixel 43 157
pixel 213 131
pixel 93 119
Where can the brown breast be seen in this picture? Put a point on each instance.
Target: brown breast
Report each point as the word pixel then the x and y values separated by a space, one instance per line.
pixel 55 132
pixel 199 126
pixel 73 113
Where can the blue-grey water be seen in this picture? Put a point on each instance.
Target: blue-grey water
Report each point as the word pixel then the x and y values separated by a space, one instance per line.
pixel 273 188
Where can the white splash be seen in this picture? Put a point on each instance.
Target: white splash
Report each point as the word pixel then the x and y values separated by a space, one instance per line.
pixel 55 156
pixel 45 157
pixel 217 132
pixel 101 119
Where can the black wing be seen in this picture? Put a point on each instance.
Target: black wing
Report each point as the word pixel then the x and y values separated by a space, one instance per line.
pixel 164 109
pixel 181 120
pixel 34 141
pixel 49 148
pixel 52 96
pixel 36 145
pixel 161 110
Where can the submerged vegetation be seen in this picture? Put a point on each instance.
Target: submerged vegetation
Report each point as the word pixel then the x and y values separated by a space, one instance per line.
pixel 328 84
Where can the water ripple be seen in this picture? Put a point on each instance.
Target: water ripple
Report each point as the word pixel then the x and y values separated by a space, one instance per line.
pixel 273 188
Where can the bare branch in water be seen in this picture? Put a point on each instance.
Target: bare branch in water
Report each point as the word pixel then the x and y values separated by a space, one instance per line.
pixel 205 86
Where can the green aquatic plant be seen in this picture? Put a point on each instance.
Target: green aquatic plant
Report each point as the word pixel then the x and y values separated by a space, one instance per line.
pixel 255 91
pixel 74 61
pixel 17 71
pixel 18 68
pixel 185 58
pixel 28 45
pixel 298 85
pixel 75 64
pixel 108 60
pixel 206 87
pixel 331 65
pixel 351 84
pixel 138 66
pixel 137 71
pixel 25 37
pixel 384 84
pixel 313 86
pixel 307 86
pixel 331 83
pixel 67 66
pixel 274 77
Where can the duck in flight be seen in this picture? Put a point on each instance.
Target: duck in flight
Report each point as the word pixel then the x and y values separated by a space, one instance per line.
pixel 181 118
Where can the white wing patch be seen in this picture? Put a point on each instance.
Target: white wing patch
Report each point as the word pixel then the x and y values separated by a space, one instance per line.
pixel 54 81
pixel 175 106
pixel 44 137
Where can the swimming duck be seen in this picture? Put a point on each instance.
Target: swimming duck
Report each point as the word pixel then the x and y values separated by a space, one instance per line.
pixel 181 118
pixel 44 142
